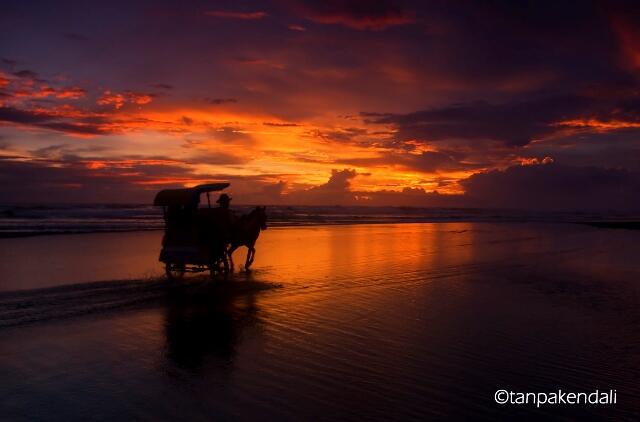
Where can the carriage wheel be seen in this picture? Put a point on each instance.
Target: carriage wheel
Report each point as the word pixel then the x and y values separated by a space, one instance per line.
pixel 218 267
pixel 175 271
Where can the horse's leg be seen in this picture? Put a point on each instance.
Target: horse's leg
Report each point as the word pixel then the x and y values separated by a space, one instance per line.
pixel 252 245
pixel 246 262
pixel 232 248
pixel 253 255
pixel 250 254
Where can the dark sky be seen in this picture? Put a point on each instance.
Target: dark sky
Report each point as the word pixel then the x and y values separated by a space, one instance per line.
pixel 432 103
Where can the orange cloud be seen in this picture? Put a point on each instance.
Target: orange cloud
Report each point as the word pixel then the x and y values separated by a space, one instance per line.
pixel 26 88
pixel 598 125
pixel 139 99
pixel 119 100
pixel 107 98
pixel 73 93
pixel 533 161
pixel 127 164
pixel 236 141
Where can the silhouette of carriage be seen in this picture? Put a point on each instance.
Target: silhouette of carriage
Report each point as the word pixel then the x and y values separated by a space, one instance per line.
pixel 195 239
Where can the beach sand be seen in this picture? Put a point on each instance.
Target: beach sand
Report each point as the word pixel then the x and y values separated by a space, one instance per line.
pixel 403 321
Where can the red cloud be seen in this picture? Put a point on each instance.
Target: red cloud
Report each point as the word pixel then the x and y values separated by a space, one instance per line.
pixel 375 23
pixel 236 15
pixel 26 85
pixel 299 28
pixel 357 14
pixel 4 80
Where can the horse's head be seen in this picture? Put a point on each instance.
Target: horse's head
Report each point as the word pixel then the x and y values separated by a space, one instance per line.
pixel 261 213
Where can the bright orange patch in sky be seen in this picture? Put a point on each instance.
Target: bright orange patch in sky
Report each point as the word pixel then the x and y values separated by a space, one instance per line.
pixel 599 125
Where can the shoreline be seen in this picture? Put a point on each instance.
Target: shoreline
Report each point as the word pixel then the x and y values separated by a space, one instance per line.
pixel 621 225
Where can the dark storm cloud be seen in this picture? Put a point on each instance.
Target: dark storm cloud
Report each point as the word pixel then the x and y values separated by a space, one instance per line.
pixel 60 173
pixel 30 74
pixel 115 181
pixel 340 135
pixel 335 191
pixel 620 149
pixel 214 158
pixel 515 123
pixel 32 181
pixel 555 187
pixel 426 161
pixel 339 180
pixel 163 86
pixel 51 121
pixel 431 161
pixel 534 187
pixel 14 115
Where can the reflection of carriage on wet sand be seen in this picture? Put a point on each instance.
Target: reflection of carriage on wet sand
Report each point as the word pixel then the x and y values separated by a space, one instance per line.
pixel 198 239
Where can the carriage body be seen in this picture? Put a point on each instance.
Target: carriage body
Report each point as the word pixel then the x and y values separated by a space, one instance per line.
pixel 195 239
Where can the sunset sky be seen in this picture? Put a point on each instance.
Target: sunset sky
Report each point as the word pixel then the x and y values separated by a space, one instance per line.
pixel 437 103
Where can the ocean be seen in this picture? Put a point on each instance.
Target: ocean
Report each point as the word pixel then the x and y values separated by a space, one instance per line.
pixel 335 322
pixel 25 220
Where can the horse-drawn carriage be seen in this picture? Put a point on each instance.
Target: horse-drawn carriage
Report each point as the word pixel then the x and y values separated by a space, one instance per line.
pixel 195 239
pixel 198 238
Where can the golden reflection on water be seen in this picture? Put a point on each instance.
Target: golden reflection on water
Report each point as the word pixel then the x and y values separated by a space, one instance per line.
pixel 409 317
pixel 327 252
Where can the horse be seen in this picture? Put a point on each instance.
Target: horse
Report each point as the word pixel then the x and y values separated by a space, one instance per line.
pixel 245 232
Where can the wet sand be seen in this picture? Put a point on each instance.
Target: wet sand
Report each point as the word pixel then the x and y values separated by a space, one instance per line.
pixel 407 321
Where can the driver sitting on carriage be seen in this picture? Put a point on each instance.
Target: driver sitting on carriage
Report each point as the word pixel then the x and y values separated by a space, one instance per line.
pixel 227 218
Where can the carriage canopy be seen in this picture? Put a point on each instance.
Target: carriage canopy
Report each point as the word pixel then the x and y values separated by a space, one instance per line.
pixel 187 196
